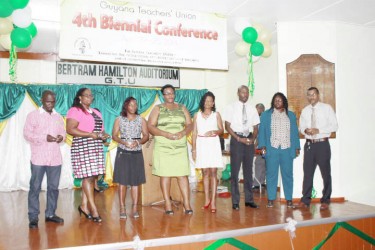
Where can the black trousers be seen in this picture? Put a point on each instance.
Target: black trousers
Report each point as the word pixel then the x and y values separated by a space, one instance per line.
pixel 317 154
pixel 241 154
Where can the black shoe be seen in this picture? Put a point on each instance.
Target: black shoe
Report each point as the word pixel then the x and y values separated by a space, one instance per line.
pixel 270 203
pixel 97 219
pixel 33 224
pixel 289 204
pixel 251 204
pixel 88 216
pixel 264 185
pixel 236 207
pixel 55 219
pixel 98 190
pixel 255 187
pixel 169 212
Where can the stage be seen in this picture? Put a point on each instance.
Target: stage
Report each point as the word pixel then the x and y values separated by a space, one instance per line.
pixel 261 228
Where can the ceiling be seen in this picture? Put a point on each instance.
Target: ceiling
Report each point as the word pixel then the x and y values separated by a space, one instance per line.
pixel 46 15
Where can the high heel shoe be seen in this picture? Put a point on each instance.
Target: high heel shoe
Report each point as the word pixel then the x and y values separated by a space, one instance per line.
pixel 213 210
pixel 97 219
pixel 207 206
pixel 98 190
pixel 88 216
pixel 188 211
pixel 123 214
pixel 169 212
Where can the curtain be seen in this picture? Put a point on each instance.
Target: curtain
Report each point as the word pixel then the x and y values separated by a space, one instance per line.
pixel 15 154
pixel 11 97
pixel 189 97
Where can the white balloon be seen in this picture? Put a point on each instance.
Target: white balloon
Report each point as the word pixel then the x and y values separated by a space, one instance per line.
pixel 267 50
pixel 5 41
pixel 242 48
pixel 6 26
pixel 22 17
pixel 253 58
pixel 264 36
pixel 240 25
pixel 258 27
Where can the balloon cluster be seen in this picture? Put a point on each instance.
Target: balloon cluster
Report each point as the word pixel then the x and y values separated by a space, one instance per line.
pixel 255 40
pixel 225 175
pixel 16 26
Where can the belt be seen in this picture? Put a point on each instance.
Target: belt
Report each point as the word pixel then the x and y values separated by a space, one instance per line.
pixel 243 135
pixel 316 140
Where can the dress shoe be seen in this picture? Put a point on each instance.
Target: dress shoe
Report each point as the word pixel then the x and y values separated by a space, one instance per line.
pixel 55 219
pixel 301 205
pixel 207 206
pixel 270 203
pixel 169 212
pixel 255 187
pixel 324 206
pixel 98 190
pixel 236 207
pixel 289 204
pixel 97 219
pixel 251 204
pixel 33 224
pixel 88 216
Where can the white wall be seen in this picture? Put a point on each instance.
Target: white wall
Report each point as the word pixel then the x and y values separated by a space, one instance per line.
pixel 350 48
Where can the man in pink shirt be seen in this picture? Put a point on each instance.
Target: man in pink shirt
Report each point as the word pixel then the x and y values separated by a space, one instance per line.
pixel 44 130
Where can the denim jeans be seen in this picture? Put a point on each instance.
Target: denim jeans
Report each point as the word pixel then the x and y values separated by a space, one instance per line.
pixel 53 179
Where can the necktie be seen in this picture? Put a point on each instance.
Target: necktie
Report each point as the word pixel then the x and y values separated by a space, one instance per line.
pixel 313 119
pixel 244 120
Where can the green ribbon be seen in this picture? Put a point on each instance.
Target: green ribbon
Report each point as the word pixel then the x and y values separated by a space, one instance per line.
pixel 351 229
pixel 313 193
pixel 13 63
pixel 230 241
pixel 250 83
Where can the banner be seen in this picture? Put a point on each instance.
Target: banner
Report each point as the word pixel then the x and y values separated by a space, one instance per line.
pixel 123 32
pixel 118 74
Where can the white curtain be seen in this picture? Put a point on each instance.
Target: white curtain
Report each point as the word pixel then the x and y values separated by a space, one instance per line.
pixel 15 155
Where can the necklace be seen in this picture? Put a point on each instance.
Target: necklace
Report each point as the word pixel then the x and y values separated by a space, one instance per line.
pixel 205 116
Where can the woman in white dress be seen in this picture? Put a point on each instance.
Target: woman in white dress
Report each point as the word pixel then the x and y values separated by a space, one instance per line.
pixel 206 149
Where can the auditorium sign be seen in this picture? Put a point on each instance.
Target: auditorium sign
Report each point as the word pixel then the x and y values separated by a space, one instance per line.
pixel 116 74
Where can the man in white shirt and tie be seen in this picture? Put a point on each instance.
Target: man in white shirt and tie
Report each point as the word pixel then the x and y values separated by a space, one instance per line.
pixel 241 122
pixel 317 122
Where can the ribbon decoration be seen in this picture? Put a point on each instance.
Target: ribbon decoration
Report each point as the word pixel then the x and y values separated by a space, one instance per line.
pixel 13 64
pixel 351 229
pixel 230 241
pixel 250 83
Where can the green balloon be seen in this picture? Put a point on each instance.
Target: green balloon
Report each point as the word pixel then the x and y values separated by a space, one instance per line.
pixel 21 38
pixel 257 49
pixel 77 182
pixel 225 175
pixel 19 4
pixel 6 8
pixel 32 30
pixel 249 35
pixel 227 168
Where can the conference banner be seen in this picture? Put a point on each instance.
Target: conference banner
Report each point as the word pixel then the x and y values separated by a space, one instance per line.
pixel 122 32
pixel 116 74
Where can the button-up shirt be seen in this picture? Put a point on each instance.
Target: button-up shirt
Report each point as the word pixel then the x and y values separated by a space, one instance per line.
pixel 233 115
pixel 280 130
pixel 326 120
pixel 38 125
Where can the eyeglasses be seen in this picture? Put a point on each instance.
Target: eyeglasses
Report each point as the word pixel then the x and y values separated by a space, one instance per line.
pixel 88 96
pixel 168 93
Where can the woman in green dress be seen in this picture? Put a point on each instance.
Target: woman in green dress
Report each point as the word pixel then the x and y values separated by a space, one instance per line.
pixel 170 122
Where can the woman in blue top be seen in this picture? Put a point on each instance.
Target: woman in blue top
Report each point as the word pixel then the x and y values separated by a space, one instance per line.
pixel 278 138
